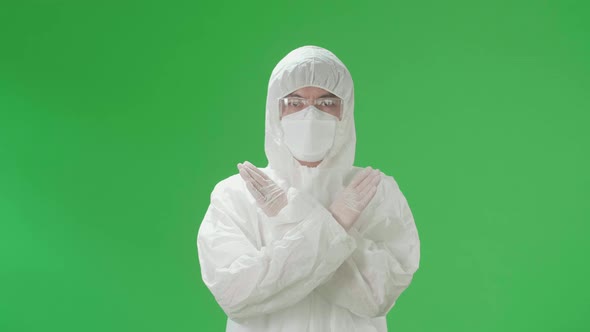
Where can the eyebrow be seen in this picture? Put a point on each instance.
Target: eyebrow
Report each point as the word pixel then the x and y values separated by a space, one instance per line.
pixel 322 96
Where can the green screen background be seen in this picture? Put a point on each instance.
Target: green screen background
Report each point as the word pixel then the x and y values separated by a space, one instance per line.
pixel 118 118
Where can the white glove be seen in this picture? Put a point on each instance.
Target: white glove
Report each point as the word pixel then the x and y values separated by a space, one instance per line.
pixel 269 196
pixel 351 201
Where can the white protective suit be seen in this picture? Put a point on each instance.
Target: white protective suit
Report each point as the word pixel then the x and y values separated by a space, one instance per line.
pixel 300 270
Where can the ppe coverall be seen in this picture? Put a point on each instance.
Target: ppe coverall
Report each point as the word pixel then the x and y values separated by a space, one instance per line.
pixel 301 270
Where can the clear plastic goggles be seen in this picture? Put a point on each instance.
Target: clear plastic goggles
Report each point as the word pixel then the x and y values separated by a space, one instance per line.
pixel 330 105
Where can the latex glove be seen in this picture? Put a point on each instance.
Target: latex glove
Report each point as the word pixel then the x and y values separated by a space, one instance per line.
pixel 351 201
pixel 269 196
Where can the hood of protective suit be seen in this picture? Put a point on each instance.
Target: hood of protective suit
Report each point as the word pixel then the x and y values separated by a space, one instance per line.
pixel 310 66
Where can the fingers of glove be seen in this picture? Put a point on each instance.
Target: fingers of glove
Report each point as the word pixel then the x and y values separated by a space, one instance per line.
pixel 255 192
pixel 359 177
pixel 273 195
pixel 275 190
pixel 378 178
pixel 362 194
pixel 369 196
pixel 375 174
pixel 255 173
pixel 374 183
pixel 244 173
pixel 247 171
pixel 259 194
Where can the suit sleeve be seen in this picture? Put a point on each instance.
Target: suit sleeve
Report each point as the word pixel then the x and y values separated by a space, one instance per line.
pixel 382 266
pixel 249 279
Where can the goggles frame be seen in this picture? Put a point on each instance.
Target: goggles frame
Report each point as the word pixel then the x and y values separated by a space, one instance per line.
pixel 290 105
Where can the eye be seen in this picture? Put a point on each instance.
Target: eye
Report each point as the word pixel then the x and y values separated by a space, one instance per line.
pixel 294 102
pixel 327 102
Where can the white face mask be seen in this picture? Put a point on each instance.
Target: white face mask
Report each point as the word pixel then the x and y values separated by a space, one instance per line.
pixel 309 133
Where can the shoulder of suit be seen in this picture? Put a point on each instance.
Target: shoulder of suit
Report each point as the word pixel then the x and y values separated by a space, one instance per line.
pixel 389 181
pixel 229 185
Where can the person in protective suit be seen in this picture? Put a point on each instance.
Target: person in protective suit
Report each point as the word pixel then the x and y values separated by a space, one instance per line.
pixel 310 242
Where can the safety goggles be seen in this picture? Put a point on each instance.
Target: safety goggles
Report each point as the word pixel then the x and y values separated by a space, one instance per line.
pixel 330 105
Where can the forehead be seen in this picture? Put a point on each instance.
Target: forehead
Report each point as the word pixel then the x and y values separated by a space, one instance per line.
pixel 311 92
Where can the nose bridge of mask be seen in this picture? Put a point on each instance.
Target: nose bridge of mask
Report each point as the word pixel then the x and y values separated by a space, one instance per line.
pixel 311 112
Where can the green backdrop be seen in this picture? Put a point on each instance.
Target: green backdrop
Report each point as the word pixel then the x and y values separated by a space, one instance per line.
pixel 118 118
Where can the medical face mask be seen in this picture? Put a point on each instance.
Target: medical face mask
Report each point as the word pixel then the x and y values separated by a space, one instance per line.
pixel 309 133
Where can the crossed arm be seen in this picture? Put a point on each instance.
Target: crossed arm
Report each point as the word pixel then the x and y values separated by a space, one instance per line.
pixel 363 269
